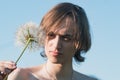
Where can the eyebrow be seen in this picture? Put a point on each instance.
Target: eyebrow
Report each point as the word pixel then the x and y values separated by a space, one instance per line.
pixel 63 35
pixel 66 35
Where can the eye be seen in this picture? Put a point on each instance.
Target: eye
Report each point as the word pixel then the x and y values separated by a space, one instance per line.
pixel 66 38
pixel 51 35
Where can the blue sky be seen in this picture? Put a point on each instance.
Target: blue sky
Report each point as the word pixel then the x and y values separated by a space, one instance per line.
pixel 102 60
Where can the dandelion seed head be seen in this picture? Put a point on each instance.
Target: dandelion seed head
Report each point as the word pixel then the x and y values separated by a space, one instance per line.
pixel 26 31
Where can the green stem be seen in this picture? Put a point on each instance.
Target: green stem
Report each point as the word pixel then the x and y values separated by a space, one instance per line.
pixel 28 41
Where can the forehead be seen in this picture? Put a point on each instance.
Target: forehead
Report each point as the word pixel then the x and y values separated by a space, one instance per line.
pixel 64 30
pixel 64 26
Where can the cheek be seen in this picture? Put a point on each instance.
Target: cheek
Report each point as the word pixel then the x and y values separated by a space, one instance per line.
pixel 47 45
pixel 70 49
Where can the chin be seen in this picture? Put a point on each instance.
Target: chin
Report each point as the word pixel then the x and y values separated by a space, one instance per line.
pixel 56 61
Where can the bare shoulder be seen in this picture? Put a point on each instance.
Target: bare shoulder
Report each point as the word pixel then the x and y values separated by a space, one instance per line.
pixel 34 68
pixel 24 73
pixel 16 74
pixel 80 76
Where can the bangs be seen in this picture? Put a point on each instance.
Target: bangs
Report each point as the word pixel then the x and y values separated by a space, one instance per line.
pixel 58 18
pixel 60 23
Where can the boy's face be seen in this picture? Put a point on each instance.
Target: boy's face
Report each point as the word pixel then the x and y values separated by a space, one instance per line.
pixel 59 45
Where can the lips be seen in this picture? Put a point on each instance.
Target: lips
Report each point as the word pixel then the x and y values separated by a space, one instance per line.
pixel 55 53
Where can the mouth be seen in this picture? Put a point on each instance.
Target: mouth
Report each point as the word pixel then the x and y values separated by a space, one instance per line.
pixel 55 53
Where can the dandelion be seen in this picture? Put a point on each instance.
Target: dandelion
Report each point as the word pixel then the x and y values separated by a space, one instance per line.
pixel 26 36
pixel 25 32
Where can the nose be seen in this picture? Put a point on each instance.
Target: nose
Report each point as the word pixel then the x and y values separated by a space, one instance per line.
pixel 57 42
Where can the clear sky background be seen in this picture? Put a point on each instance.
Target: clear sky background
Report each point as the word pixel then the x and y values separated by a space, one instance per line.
pixel 102 60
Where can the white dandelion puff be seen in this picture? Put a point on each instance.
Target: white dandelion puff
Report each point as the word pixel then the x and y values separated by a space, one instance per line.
pixel 28 31
pixel 26 36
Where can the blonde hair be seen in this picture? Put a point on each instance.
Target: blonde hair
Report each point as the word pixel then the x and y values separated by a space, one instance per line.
pixel 71 14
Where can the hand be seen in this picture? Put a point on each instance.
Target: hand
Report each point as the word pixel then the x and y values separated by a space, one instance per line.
pixel 6 67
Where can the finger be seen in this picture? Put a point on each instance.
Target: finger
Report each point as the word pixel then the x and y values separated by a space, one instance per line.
pixel 2 63
pixel 9 64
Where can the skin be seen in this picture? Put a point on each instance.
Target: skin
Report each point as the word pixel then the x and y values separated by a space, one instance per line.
pixel 59 49
pixel 59 46
pixel 7 66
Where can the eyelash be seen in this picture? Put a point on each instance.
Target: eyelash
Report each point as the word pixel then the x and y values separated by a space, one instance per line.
pixel 66 38
pixel 51 35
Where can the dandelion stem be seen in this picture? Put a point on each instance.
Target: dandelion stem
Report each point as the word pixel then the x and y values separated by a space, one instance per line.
pixel 27 43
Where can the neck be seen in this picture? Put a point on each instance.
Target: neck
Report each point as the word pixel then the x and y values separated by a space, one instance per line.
pixel 59 71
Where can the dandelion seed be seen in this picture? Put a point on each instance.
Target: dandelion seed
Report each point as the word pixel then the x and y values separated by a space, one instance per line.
pixel 26 31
